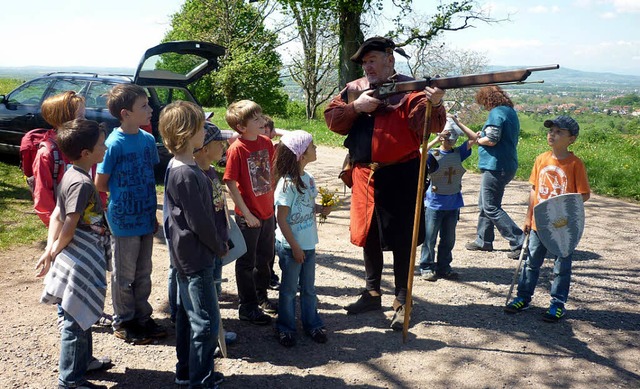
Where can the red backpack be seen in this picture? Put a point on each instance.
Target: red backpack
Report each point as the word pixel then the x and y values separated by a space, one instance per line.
pixel 29 145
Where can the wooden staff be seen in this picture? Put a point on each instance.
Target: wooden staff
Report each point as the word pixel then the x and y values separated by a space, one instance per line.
pixel 416 219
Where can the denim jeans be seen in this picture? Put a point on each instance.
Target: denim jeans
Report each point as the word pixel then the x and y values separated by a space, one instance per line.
pixel 442 222
pixel 531 272
pixel 131 278
pixel 173 286
pixel 294 274
pixel 197 323
pixel 75 352
pixel 173 292
pixel 252 269
pixel 492 215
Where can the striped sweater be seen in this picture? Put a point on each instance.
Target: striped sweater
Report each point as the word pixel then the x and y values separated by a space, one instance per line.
pixel 77 278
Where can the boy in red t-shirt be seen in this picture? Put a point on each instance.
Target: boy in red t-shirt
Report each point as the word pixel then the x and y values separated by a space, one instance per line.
pixel 248 177
pixel 554 173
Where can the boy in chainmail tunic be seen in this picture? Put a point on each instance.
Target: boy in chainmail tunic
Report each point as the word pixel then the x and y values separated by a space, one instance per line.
pixel 442 202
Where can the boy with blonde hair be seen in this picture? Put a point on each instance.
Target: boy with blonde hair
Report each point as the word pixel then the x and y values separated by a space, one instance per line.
pixel 248 177
pixel 127 174
pixel 195 244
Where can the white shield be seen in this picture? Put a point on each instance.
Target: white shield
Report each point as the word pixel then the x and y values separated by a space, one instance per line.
pixel 560 223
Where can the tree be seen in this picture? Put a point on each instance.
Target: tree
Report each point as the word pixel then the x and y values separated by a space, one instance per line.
pixel 312 68
pixel 457 15
pixel 437 60
pixel 250 69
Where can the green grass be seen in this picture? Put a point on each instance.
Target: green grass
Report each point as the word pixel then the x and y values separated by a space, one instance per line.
pixel 610 152
pixel 20 225
pixel 9 84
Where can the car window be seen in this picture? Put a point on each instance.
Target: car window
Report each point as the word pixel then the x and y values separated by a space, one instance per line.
pixel 63 85
pixel 168 95
pixel 30 93
pixel 172 66
pixel 96 96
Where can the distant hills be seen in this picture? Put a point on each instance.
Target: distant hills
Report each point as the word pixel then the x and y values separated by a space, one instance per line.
pixel 566 76
pixel 29 72
pixel 560 77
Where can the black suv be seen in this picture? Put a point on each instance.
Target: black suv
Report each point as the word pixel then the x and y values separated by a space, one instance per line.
pixel 20 109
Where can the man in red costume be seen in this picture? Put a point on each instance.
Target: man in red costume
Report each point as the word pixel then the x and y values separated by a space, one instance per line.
pixel 383 138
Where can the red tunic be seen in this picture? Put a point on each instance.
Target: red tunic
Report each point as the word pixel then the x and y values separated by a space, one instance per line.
pixel 396 137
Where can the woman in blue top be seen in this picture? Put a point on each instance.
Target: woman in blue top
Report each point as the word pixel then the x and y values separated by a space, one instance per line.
pixel 498 162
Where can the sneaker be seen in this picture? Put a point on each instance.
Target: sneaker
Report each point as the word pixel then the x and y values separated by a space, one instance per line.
pixel 449 275
pixel 553 314
pixel 517 305
pixel 286 339
pixel 218 378
pixel 180 382
pixel 99 364
pixel 473 246
pixel 84 385
pixel 318 335
pixel 255 316
pixel 132 333
pixel 397 322
pixel 514 254
pixel 105 320
pixel 268 307
pixel 154 330
pixel 274 282
pixel 428 275
pixel 365 303
pixel 230 337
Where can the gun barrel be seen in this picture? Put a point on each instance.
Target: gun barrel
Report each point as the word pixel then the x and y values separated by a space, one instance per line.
pixel 513 76
pixel 547 67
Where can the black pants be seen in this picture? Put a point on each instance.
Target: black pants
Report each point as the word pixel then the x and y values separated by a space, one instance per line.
pixel 252 269
pixel 374 264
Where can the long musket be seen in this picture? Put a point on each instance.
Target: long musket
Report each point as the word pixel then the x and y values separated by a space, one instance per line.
pixel 472 80
pixel 516 76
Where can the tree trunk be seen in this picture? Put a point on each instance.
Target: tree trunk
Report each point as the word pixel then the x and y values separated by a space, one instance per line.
pixel 351 37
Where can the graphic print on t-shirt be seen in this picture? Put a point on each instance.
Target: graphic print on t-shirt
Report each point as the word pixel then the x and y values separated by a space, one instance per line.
pixel 260 172
pixel 552 182
pixel 136 200
pixel 302 214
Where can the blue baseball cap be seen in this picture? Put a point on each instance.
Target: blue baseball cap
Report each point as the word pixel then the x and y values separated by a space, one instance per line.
pixel 564 122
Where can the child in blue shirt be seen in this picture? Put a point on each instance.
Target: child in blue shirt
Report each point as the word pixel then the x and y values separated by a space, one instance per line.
pixel 442 202
pixel 297 236
pixel 127 174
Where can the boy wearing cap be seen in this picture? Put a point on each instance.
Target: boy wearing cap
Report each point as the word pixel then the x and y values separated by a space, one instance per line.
pixel 383 138
pixel 210 153
pixel 442 201
pixel 554 173
pixel 248 177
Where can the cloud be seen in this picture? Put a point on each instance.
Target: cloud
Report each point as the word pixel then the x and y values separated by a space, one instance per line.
pixel 626 6
pixel 608 15
pixel 539 9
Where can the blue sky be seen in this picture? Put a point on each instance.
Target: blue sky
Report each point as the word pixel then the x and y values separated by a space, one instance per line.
pixel 590 35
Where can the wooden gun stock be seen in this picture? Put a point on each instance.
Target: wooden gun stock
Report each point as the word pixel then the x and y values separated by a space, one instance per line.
pixel 466 81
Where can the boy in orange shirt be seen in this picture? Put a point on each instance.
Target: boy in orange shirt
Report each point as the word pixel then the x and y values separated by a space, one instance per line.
pixel 554 173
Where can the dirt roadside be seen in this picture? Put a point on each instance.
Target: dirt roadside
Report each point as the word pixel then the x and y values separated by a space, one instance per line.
pixel 459 336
